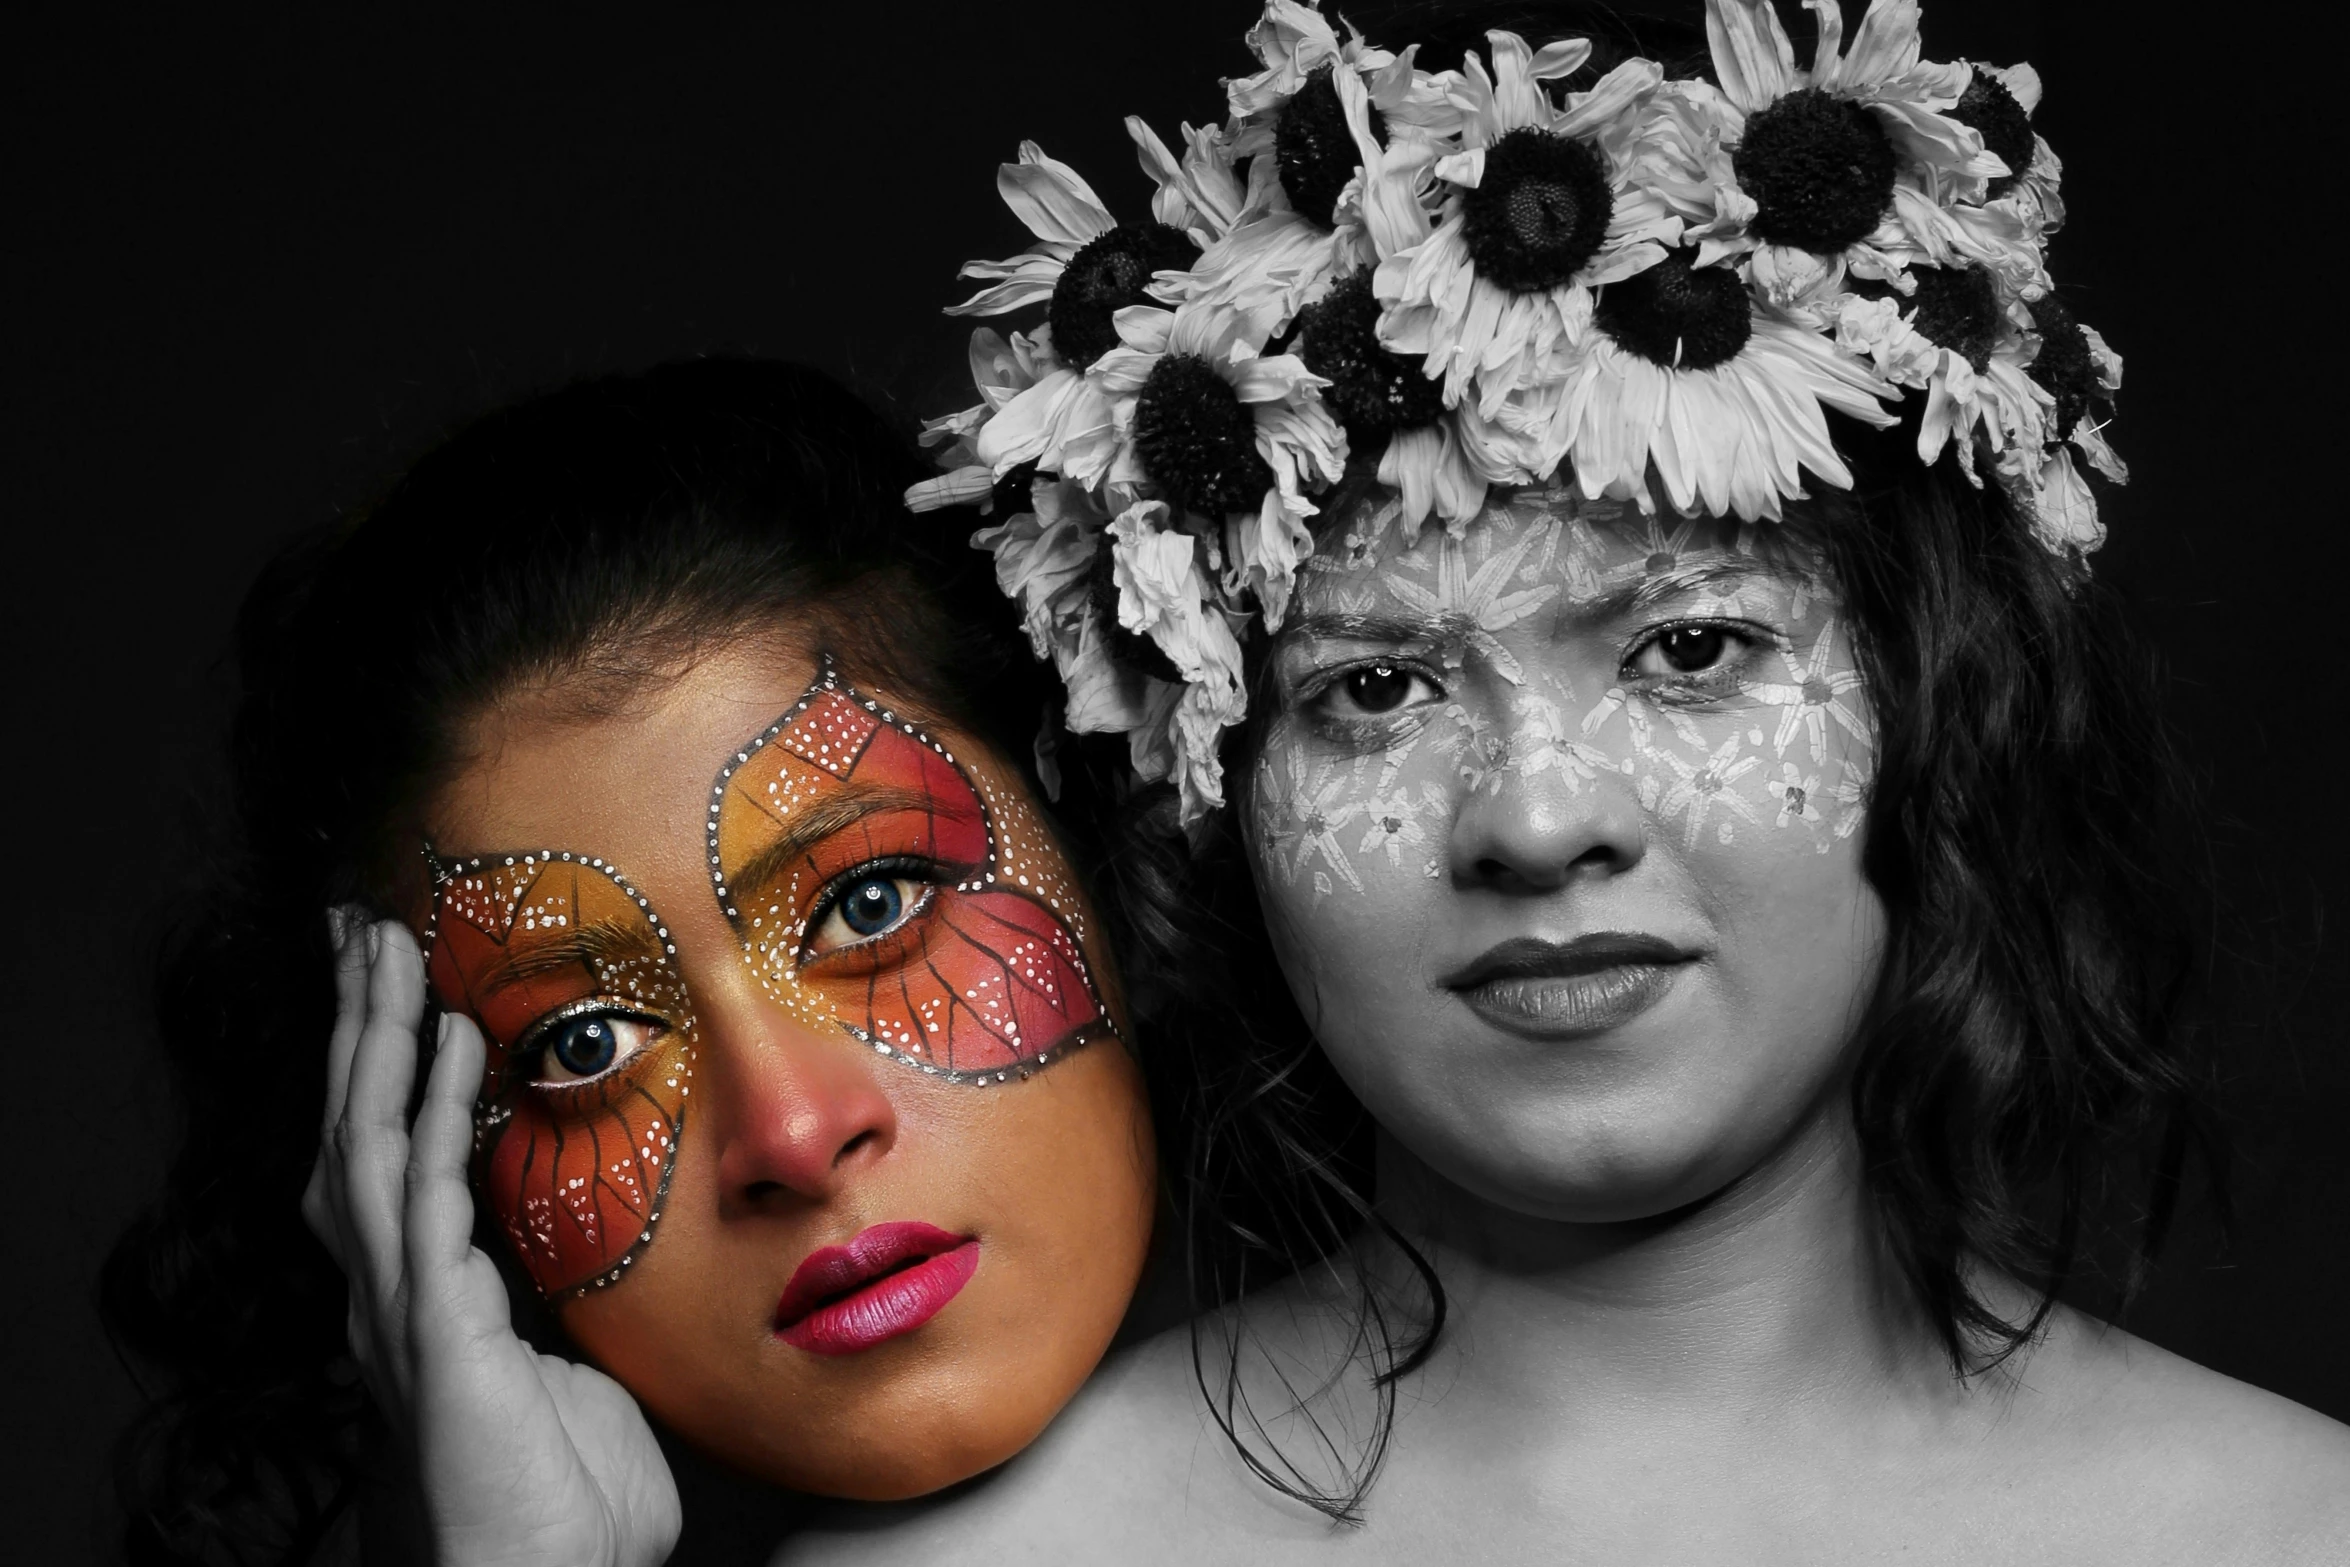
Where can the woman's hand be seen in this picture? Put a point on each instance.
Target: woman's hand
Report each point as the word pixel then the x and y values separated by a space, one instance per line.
pixel 520 1457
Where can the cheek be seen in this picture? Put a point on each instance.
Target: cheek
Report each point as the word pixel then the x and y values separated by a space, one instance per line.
pixel 1350 854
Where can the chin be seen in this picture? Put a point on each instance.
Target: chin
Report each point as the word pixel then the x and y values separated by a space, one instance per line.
pixel 1608 1174
pixel 884 1455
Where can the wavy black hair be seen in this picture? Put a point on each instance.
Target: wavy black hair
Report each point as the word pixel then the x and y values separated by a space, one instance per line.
pixel 592 531
pixel 2028 1089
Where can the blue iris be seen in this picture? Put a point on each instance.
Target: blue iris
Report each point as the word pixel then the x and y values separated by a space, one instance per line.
pixel 872 906
pixel 585 1045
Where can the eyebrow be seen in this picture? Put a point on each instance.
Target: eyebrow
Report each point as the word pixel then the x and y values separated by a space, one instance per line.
pixel 815 823
pixel 591 946
pixel 1672 584
pixel 1375 626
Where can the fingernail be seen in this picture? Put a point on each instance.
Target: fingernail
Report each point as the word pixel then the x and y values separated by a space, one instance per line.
pixel 440 1033
pixel 338 927
pixel 375 941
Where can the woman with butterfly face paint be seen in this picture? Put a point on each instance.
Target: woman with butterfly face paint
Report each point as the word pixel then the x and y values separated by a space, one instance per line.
pixel 776 1082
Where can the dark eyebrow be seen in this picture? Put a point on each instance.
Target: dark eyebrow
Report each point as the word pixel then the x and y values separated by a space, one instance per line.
pixel 815 823
pixel 593 946
pixel 1635 596
pixel 1354 626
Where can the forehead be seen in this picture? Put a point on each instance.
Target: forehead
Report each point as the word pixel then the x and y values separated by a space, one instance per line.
pixel 543 768
pixel 1538 543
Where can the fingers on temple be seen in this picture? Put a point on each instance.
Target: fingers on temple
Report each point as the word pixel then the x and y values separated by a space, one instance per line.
pixel 440 1203
pixel 370 1139
pixel 352 946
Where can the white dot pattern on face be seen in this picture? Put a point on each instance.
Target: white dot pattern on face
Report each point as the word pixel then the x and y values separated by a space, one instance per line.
pixel 1020 855
pixel 1793 755
pixel 512 892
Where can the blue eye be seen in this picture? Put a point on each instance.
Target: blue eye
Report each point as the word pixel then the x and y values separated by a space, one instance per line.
pixel 584 1046
pixel 590 1043
pixel 872 905
pixel 879 899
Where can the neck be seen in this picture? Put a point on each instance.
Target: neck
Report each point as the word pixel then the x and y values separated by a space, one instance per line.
pixel 1771 1289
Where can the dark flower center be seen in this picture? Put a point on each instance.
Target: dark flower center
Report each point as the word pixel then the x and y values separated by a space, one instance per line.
pixel 2064 367
pixel 1130 648
pixel 1198 442
pixel 1820 170
pixel 1314 150
pixel 1110 273
pixel 1955 307
pixel 1373 390
pixel 1958 308
pixel 1677 315
pixel 1539 214
pixel 1990 109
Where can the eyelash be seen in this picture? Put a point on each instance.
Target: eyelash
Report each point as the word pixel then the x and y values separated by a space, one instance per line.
pixel 529 1053
pixel 898 866
pixel 1726 675
pixel 1310 700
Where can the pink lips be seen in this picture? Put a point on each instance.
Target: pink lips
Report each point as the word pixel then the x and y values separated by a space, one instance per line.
pixel 888 1281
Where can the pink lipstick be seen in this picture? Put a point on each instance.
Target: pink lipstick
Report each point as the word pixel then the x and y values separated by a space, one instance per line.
pixel 887 1281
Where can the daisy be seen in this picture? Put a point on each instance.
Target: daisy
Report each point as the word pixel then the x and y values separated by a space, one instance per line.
pixel 1538 208
pixel 1225 434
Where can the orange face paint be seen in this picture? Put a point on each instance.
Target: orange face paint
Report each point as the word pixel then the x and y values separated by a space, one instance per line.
pixel 525 944
pixel 985 982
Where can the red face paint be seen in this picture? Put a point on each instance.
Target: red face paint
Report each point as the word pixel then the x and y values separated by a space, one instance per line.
pixel 539 949
pixel 983 980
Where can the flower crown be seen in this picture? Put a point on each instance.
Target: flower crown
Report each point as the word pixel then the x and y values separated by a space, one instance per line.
pixel 1652 288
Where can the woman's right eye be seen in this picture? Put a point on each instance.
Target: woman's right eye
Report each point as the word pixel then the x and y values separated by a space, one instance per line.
pixel 1375 690
pixel 590 1044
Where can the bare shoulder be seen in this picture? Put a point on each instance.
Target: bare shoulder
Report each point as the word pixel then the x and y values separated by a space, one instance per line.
pixel 1134 1470
pixel 2268 1478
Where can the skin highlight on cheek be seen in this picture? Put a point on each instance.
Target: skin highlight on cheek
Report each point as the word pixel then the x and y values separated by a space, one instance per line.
pixel 547 952
pixel 986 980
pixel 1778 745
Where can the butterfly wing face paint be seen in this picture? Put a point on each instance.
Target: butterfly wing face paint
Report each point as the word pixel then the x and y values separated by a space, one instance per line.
pixel 984 980
pixel 575 1171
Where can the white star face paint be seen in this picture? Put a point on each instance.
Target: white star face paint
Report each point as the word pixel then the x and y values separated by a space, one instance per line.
pixel 1563 810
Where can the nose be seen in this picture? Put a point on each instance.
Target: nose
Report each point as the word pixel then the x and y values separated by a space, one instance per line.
pixel 1529 828
pixel 796 1114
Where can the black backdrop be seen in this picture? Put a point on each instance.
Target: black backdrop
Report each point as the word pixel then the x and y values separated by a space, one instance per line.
pixel 254 264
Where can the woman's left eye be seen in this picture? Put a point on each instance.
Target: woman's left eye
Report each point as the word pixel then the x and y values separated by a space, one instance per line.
pixel 871 905
pixel 1685 650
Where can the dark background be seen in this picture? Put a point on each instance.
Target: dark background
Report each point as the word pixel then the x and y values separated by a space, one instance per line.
pixel 254 265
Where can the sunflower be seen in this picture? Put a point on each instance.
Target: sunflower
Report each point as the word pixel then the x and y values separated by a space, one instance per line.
pixel 1855 162
pixel 1954 340
pixel 1725 401
pixel 1229 436
pixel 1538 209
pixel 1084 268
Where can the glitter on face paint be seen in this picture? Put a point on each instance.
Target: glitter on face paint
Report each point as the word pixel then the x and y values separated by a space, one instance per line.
pixel 987 981
pixel 575 1172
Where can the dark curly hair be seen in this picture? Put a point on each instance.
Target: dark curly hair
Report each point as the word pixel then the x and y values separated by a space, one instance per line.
pixel 2028 1090
pixel 589 531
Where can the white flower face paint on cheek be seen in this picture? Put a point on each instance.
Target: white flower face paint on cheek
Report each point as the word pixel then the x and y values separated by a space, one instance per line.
pixel 1531 648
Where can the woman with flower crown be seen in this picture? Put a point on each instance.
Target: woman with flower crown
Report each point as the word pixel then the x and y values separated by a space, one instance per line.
pixel 1669 906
